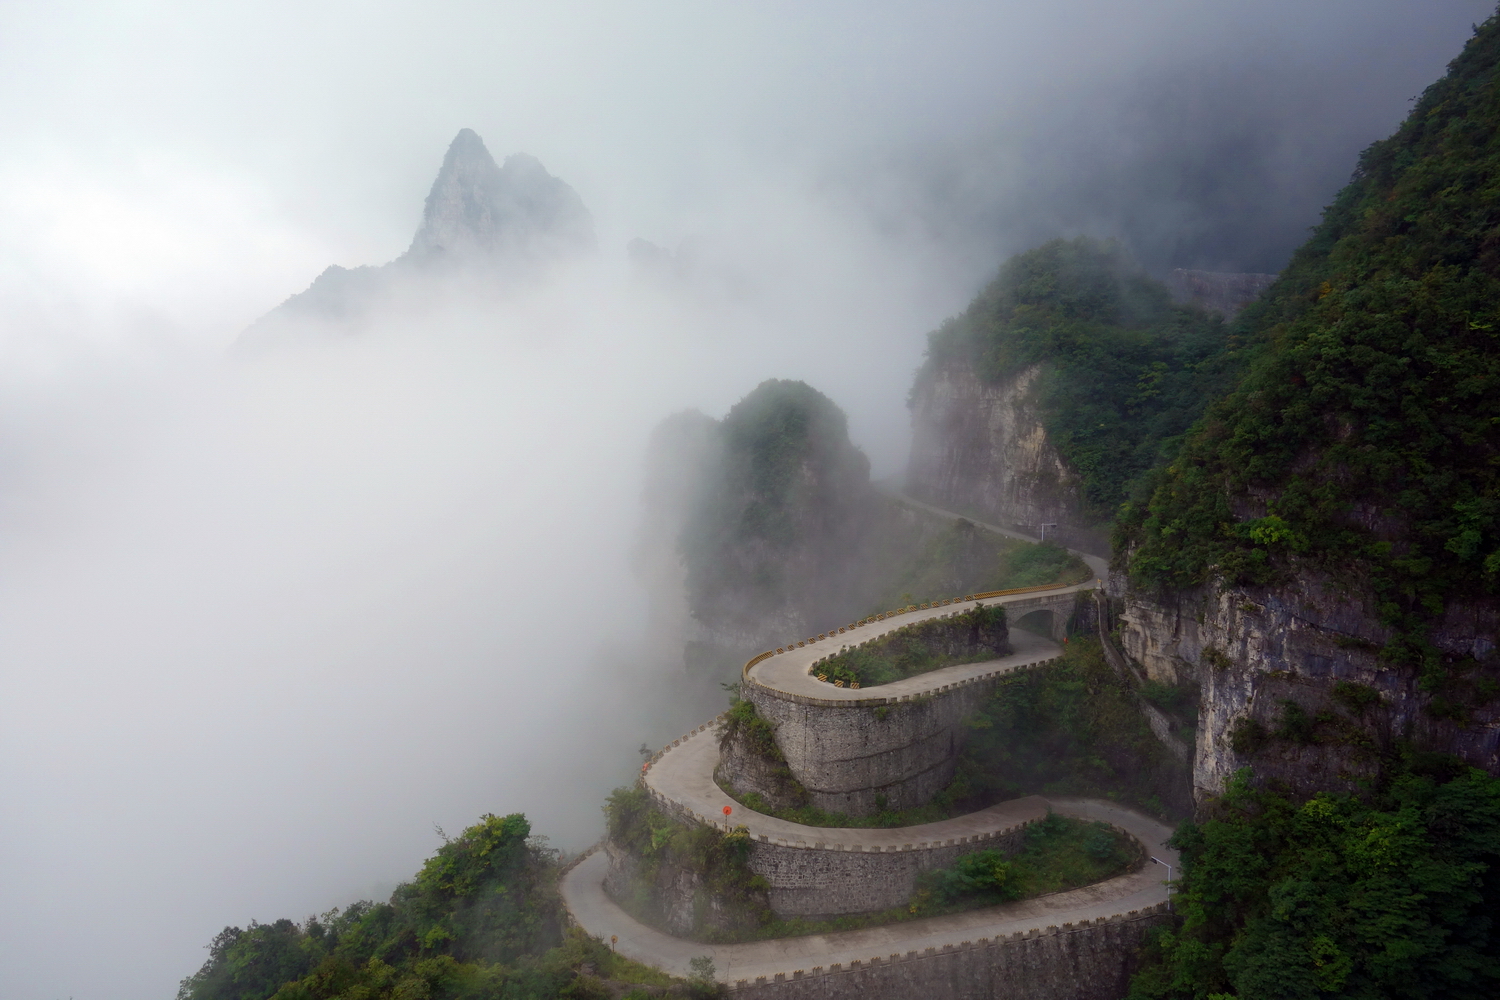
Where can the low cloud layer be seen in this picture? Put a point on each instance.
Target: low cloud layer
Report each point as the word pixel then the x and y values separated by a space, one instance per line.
pixel 265 621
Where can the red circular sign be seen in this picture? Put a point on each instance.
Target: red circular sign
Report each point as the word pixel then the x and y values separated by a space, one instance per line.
pixel 728 810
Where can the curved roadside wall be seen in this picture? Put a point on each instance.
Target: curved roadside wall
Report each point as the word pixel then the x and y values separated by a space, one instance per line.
pixel 852 756
pixel 857 756
pixel 830 878
pixel 1091 960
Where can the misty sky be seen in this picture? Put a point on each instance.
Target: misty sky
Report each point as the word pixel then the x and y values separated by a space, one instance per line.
pixel 264 623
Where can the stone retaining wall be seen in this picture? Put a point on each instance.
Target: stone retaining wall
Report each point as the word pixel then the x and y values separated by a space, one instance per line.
pixel 1084 961
pixel 850 755
pixel 829 878
pixel 840 879
pixel 853 754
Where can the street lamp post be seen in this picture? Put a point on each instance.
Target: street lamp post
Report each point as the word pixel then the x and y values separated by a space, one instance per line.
pixel 1169 881
pixel 1044 528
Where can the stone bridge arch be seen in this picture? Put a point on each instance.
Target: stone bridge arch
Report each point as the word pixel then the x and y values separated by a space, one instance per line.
pixel 1046 615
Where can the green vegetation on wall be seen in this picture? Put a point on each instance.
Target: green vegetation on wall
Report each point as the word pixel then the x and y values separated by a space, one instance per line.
pixel 481 921
pixel 1364 438
pixel 968 637
pixel 728 898
pixel 1071 728
pixel 1388 896
pixel 1059 853
pixel 1124 370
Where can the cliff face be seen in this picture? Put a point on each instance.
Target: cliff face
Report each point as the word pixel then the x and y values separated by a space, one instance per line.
pixel 1058 388
pixel 1226 293
pixel 1323 553
pixel 980 448
pixel 1293 684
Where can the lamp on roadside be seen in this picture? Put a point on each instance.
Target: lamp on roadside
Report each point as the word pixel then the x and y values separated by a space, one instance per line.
pixel 1044 528
pixel 1169 881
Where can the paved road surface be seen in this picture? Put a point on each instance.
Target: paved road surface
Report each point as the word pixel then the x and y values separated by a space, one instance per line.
pixel 790 671
pixel 1099 565
pixel 583 893
pixel 683 776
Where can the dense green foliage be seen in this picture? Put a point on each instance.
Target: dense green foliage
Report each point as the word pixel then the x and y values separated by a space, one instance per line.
pixel 1071 728
pixel 664 846
pixel 969 637
pixel 1365 438
pixel 481 921
pixel 1124 370
pixel 1389 896
pixel 1059 853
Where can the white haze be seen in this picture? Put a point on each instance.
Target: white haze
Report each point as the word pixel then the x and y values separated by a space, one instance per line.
pixel 263 623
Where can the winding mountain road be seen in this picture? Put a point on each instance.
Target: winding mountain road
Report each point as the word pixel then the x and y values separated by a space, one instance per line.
pixel 1139 890
pixel 681 779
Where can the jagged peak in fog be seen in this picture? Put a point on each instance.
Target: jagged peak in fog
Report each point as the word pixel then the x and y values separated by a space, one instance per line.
pixel 485 226
pixel 480 209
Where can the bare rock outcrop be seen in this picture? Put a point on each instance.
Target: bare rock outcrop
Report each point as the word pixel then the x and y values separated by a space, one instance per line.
pixel 1224 292
pixel 980 448
pixel 1293 683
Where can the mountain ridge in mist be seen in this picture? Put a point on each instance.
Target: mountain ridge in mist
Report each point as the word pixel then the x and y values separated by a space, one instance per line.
pixel 484 226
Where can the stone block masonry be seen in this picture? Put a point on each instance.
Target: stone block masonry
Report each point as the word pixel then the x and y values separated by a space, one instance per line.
pixel 854 759
pixel 1085 961
pixel 894 746
pixel 830 879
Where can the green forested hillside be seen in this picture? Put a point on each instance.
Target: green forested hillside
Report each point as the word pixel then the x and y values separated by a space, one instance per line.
pixel 783 509
pixel 1366 435
pixel 481 921
pixel 1384 896
pixel 1362 443
pixel 1123 368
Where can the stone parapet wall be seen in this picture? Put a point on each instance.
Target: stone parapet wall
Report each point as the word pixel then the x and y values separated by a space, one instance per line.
pixel 1083 961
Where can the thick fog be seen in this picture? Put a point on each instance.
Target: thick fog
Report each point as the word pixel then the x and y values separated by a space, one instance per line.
pixel 266 619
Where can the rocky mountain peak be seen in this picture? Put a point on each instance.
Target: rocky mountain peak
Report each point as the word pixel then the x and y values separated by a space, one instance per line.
pixel 478 209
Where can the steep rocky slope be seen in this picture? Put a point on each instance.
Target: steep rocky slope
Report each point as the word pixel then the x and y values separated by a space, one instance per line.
pixel 1057 388
pixel 981 446
pixel 1322 554
pixel 1225 293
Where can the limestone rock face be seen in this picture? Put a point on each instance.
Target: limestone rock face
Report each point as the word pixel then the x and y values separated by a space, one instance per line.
pixel 478 210
pixel 981 448
pixel 1256 652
